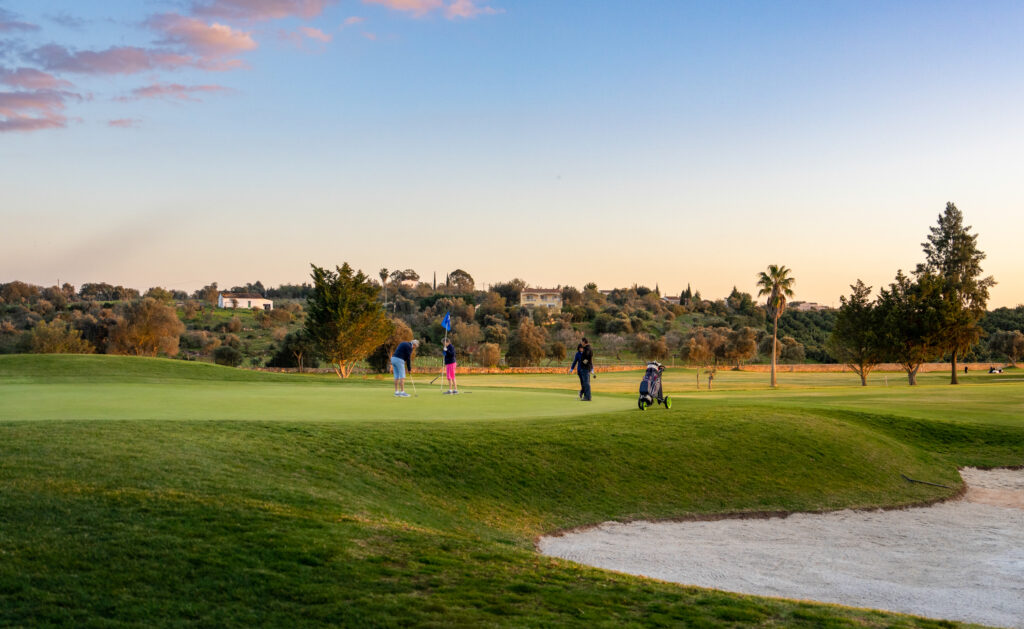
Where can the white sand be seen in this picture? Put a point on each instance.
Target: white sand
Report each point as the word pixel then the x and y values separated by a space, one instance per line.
pixel 961 560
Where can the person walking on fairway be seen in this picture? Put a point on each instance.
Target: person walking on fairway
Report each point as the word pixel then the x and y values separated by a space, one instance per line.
pixel 401 359
pixel 584 368
pixel 575 363
pixel 449 367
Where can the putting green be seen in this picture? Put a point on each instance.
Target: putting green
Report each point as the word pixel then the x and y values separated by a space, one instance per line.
pixel 286 402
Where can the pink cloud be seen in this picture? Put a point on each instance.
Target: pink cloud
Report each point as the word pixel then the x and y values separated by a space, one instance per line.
pixel 114 60
pixel 124 123
pixel 370 36
pixel 207 40
pixel 260 9
pixel 31 79
pixel 315 33
pixel 352 21
pixel 417 7
pixel 33 110
pixel 172 91
pixel 468 9
pixel 420 8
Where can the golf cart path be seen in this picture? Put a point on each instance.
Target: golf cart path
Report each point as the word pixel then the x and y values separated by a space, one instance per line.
pixel 959 560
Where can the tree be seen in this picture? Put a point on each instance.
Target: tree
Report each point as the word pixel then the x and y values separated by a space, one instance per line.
pixel 510 290
pixel 493 305
pixel 555 351
pixel 408 275
pixel 740 345
pixel 149 328
pixel 613 343
pixel 703 348
pixel 952 254
pixel 383 275
pixel 1010 343
pixel 487 354
pixel 57 338
pixel 465 336
pixel 909 322
pixel 777 284
pixel 296 350
pixel 855 337
pixel 380 359
pixel 343 319
pixel 207 293
pixel 460 282
pixel 526 345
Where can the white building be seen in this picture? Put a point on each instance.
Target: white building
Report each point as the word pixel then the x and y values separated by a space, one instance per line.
pixel 547 297
pixel 244 300
pixel 807 306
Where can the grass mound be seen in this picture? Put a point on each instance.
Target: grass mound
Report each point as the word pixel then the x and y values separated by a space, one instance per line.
pixel 53 368
pixel 411 522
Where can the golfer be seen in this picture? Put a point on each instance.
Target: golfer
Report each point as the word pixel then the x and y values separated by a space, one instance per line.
pixel 583 369
pixel 449 368
pixel 575 363
pixel 401 359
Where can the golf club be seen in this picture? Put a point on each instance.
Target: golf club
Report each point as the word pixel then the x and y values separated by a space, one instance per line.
pixel 414 392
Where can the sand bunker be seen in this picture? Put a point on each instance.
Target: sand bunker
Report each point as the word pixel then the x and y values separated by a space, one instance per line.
pixel 961 560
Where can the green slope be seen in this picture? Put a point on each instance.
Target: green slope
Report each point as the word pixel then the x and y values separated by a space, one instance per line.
pixel 388 520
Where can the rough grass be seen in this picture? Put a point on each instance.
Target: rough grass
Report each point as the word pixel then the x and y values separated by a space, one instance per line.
pixel 401 522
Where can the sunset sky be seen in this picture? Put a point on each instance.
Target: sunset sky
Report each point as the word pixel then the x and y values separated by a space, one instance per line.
pixel 179 142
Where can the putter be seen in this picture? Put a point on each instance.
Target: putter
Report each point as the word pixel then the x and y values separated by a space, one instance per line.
pixel 414 392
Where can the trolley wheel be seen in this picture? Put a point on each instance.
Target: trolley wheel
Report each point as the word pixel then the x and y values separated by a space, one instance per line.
pixel 668 402
pixel 641 404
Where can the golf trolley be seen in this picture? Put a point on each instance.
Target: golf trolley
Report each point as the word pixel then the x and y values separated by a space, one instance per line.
pixel 650 387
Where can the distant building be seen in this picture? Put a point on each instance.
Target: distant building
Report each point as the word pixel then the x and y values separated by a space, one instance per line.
pixel 546 297
pixel 671 300
pixel 244 300
pixel 807 306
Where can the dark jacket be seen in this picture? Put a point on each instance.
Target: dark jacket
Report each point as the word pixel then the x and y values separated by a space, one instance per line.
pixel 587 359
pixel 576 360
pixel 449 354
pixel 404 351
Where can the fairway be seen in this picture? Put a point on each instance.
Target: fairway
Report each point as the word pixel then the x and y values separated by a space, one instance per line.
pixel 157 492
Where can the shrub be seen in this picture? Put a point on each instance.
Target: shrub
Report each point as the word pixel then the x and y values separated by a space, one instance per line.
pixel 57 338
pixel 149 328
pixel 487 354
pixel 228 356
pixel 526 345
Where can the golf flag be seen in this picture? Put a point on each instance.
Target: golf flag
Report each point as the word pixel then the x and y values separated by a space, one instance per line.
pixel 447 323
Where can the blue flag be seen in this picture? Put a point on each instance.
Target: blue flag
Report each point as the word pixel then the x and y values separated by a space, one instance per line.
pixel 447 323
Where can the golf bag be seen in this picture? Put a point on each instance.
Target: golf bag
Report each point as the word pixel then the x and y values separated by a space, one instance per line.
pixel 650 387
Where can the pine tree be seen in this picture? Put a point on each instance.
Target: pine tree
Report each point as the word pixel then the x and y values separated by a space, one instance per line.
pixel 952 256
pixel 344 320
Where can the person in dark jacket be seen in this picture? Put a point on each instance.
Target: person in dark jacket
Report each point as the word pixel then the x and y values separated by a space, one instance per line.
pixel 401 359
pixel 449 367
pixel 575 362
pixel 586 367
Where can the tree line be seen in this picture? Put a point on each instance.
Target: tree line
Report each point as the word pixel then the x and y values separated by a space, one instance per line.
pixel 910 321
pixel 936 312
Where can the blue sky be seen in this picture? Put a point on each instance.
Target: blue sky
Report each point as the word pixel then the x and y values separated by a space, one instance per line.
pixel 561 142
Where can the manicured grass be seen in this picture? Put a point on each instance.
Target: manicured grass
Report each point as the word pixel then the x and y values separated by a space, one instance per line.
pixel 341 505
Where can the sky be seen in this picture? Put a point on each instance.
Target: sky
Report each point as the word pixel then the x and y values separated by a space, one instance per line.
pixel 176 143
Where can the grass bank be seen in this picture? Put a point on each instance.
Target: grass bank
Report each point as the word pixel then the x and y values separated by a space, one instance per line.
pixel 380 518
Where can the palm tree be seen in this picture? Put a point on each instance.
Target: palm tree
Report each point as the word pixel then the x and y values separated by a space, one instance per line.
pixel 778 285
pixel 383 273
